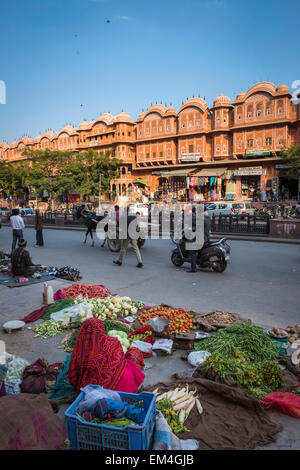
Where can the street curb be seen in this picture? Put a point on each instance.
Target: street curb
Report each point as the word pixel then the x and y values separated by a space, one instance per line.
pixel 215 235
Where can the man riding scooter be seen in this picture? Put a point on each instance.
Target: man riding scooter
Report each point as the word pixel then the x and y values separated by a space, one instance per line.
pixel 207 226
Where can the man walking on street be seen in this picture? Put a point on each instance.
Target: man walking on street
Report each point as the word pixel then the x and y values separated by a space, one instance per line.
pixel 125 242
pixel 39 229
pixel 17 225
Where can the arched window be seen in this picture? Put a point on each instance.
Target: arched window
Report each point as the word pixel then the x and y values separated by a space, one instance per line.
pixel 250 111
pixel 259 109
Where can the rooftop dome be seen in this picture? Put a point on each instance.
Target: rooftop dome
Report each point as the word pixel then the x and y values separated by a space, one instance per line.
pixel 14 144
pixel 106 117
pixel 84 125
pixel 4 145
pixel 171 111
pixel 68 130
pixel 283 89
pixel 38 138
pixel 49 134
pixel 123 117
pixel 198 102
pixel 222 100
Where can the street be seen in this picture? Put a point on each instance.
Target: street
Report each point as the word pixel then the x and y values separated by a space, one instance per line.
pixel 260 283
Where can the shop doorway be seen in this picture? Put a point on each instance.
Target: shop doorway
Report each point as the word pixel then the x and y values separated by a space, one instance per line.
pixel 250 187
pixel 288 189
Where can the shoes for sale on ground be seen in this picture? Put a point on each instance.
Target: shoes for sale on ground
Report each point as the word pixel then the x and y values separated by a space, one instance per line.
pixel 118 263
pixel 140 265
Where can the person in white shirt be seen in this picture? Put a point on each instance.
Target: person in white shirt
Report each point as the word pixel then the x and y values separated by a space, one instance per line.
pixel 17 225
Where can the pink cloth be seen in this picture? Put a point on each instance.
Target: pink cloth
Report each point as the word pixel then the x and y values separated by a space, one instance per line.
pixel 132 378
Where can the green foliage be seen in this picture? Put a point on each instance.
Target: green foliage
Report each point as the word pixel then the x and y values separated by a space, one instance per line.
pixel 59 172
pixel 291 155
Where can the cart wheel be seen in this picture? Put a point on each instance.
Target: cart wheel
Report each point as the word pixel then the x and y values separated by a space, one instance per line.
pixel 114 245
pixel 176 260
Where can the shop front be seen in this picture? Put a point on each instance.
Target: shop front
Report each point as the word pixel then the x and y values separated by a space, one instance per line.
pixel 174 185
pixel 288 182
pixel 208 185
pixel 249 182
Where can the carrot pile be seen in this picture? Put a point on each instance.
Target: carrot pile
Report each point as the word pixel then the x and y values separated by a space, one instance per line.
pixel 85 290
pixel 181 321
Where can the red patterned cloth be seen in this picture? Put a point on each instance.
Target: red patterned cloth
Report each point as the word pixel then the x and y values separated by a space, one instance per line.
pixel 136 356
pixel 97 358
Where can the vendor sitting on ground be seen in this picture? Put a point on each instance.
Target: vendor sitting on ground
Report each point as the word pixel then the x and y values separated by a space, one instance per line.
pixel 99 359
pixel 21 263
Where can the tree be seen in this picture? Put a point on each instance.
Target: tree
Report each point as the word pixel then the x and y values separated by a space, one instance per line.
pixel 291 155
pixel 60 172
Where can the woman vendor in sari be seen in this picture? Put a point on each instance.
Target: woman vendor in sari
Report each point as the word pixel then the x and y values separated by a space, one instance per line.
pixel 99 359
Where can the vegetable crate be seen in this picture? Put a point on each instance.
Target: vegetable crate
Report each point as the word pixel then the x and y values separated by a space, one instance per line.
pixel 92 436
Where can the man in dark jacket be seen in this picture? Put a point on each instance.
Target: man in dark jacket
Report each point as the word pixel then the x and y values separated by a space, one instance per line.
pixel 207 226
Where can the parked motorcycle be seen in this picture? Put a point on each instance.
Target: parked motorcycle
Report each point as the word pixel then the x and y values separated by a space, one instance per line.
pixel 214 255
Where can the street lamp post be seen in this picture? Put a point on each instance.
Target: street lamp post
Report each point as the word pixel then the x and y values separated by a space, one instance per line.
pixel 101 174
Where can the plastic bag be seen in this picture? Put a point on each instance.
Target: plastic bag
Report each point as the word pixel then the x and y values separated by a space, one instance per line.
pixel 80 311
pixel 164 439
pixel 164 345
pixel 16 368
pixel 195 358
pixel 158 324
pixel 142 346
pixel 13 387
pixel 93 393
pixel 285 402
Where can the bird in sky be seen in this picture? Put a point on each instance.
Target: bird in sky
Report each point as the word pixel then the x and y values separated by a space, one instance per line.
pixel 107 21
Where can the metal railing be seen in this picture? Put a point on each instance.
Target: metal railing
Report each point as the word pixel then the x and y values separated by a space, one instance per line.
pixel 259 224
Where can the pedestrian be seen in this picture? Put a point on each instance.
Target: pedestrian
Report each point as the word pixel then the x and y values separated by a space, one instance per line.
pixel 39 229
pixel 105 229
pixel 125 242
pixel 193 253
pixel 17 225
pixel 90 226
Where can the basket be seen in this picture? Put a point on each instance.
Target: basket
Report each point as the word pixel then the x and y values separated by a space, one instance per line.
pixel 92 436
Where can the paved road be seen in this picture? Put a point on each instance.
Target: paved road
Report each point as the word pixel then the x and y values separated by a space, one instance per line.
pixel 262 282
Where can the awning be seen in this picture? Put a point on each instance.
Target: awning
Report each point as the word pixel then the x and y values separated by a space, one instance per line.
pixel 177 173
pixel 211 172
pixel 139 180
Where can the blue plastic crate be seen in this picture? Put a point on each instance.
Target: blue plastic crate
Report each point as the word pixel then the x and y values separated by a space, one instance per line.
pixel 93 436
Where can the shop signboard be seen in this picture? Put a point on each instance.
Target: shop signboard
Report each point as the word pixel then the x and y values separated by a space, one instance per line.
pixel 282 166
pixel 93 143
pixel 190 157
pixel 255 152
pixel 250 170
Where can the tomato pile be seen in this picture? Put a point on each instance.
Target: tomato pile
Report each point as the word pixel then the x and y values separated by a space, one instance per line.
pixel 181 321
pixel 85 290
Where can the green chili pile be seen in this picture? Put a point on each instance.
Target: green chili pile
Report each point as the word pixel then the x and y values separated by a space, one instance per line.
pixel 247 338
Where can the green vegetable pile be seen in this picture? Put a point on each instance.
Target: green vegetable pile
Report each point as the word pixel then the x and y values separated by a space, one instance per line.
pixel 140 337
pixel 258 377
pixel 167 408
pixel 247 338
pixel 117 422
pixel 47 328
pixel 57 306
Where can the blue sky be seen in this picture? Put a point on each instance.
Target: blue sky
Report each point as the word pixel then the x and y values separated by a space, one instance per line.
pixel 56 55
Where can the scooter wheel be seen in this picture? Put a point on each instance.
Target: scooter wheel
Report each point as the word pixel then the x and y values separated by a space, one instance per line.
pixel 176 260
pixel 219 266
